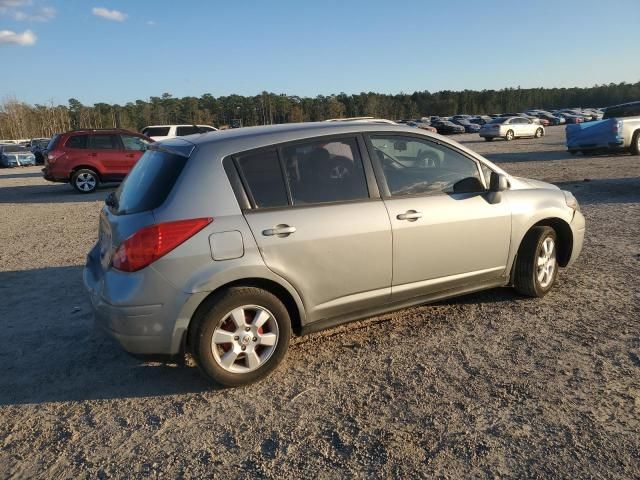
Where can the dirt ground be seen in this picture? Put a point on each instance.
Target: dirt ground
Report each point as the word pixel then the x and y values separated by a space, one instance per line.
pixel 487 385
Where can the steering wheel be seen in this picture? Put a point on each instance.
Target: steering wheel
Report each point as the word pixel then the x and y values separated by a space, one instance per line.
pixel 388 160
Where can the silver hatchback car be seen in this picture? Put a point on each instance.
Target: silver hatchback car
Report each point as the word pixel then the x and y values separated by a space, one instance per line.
pixel 223 244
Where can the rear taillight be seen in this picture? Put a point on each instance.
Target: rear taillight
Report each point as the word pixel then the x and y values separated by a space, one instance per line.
pixel 153 242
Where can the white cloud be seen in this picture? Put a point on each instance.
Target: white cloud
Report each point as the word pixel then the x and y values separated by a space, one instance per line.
pixel 24 39
pixel 43 14
pixel 7 5
pixel 151 23
pixel 114 15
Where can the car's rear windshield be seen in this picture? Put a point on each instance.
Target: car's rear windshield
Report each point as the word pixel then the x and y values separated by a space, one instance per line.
pixel 150 181
pixel 52 142
pixel 13 148
pixel 156 131
pixel 621 111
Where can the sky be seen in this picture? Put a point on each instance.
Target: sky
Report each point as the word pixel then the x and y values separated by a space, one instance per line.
pixel 116 51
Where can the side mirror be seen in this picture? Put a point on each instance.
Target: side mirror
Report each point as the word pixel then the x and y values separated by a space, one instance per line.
pixel 468 185
pixel 498 183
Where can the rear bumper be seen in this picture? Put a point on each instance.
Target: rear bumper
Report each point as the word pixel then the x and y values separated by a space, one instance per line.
pixel 577 228
pixel 141 311
pixel 53 176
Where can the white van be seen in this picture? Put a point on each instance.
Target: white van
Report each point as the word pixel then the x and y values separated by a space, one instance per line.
pixel 160 132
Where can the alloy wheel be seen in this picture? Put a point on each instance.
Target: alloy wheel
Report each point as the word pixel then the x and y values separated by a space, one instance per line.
pixel 86 182
pixel 546 263
pixel 245 339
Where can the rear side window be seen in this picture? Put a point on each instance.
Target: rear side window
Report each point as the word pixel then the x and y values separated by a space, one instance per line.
pixel 77 141
pixel 104 142
pixel 263 178
pixel 632 110
pixel 188 130
pixel 156 131
pixel 149 182
pixel 131 142
pixel 325 171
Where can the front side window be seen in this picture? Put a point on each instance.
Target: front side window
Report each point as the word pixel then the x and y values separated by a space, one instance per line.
pixel 414 166
pixel 105 142
pixel 263 178
pixel 325 171
pixel 131 142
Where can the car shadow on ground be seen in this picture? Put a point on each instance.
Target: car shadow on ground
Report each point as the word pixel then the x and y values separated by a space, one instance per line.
pixel 51 193
pixel 20 175
pixel 527 156
pixel 606 190
pixel 57 355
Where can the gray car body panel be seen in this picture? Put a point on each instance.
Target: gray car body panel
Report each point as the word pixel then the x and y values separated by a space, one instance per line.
pixel 345 261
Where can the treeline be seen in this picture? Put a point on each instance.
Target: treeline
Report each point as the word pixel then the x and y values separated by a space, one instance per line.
pixel 21 120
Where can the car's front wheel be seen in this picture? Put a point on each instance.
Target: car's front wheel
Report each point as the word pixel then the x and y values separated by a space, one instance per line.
pixel 241 335
pixel 538 133
pixel 85 180
pixel 509 136
pixel 536 266
pixel 635 143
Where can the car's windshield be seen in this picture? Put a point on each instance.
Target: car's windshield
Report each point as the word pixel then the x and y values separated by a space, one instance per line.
pixel 499 120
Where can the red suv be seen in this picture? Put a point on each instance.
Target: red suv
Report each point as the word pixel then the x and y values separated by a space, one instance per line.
pixel 85 158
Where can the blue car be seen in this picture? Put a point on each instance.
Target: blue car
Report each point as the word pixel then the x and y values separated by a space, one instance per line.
pixel 16 156
pixel 468 126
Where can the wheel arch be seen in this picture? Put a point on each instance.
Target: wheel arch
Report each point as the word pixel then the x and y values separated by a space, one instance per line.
pixel 268 285
pixel 87 166
pixel 564 234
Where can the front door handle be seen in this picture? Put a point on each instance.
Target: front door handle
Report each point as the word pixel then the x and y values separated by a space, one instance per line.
pixel 410 215
pixel 281 231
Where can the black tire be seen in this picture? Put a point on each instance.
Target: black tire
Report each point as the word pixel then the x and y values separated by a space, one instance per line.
pixel 635 143
pixel 488 139
pixel 525 275
pixel 212 316
pixel 511 134
pixel 538 133
pixel 85 180
pixel 573 152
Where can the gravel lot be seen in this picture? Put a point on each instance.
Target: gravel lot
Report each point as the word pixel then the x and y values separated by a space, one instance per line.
pixel 487 385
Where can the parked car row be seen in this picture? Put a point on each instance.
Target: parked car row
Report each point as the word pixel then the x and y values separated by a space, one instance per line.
pixel 13 155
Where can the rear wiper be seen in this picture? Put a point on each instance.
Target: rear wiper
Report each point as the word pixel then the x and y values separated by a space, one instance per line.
pixel 111 200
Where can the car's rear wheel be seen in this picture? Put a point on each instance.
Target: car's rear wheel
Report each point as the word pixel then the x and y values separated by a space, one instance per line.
pixel 241 335
pixel 85 180
pixel 536 266
pixel 509 136
pixel 573 152
pixel 635 143
pixel 488 139
pixel 538 133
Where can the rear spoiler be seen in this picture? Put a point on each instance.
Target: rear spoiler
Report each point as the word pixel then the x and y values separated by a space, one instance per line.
pixel 179 150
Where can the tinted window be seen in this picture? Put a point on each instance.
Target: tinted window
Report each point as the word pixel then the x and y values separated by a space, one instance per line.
pixel 104 142
pixel 263 178
pixel 149 182
pixel 13 148
pixel 499 120
pixel 76 141
pixel 207 129
pixel 156 131
pixel 632 110
pixel 189 130
pixel 419 167
pixel 134 143
pixel 326 171
pixel 53 141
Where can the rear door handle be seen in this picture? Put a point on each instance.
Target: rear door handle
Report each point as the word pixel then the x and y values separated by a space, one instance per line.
pixel 411 215
pixel 281 231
